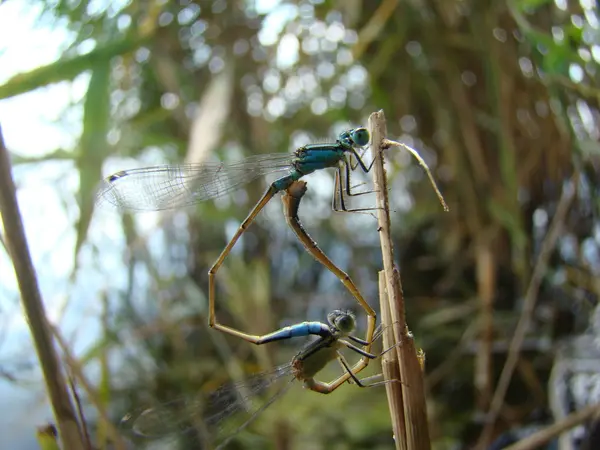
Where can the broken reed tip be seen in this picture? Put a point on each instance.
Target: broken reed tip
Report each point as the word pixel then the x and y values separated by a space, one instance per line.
pixel 387 143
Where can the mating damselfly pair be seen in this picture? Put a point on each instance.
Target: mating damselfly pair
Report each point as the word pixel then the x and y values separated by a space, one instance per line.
pixel 166 187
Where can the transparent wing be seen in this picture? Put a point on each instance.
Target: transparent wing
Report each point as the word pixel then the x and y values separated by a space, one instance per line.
pixel 174 186
pixel 212 418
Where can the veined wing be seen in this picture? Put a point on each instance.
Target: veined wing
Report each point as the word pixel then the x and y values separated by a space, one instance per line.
pixel 174 186
pixel 214 418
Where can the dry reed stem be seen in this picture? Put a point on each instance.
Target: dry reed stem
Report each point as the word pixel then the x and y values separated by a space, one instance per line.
pixel 373 27
pixel 93 396
pixel 411 374
pixel 545 435
pixel 391 368
pixel 485 265
pixel 64 412
pixel 539 270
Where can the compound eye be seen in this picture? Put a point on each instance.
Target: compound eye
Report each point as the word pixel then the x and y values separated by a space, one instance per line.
pixel 360 136
pixel 345 322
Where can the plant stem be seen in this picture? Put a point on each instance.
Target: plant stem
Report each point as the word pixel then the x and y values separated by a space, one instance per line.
pixel 33 306
pixel 411 374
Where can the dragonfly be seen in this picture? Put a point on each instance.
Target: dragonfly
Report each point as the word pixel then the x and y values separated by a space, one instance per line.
pixel 186 415
pixel 172 186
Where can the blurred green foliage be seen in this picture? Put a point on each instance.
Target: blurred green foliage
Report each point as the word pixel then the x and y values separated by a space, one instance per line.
pixel 500 99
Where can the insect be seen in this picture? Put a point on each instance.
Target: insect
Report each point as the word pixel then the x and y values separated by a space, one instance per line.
pixel 234 401
pixel 172 186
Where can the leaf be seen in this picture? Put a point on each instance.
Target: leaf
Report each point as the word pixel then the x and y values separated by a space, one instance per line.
pixel 532 5
pixel 93 145
pixel 67 68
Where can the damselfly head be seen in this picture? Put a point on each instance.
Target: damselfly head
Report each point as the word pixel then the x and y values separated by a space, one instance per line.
pixel 344 321
pixel 360 136
pixel 357 137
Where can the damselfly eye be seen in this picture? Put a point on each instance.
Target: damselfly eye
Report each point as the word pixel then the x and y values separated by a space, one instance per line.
pixel 360 136
pixel 345 322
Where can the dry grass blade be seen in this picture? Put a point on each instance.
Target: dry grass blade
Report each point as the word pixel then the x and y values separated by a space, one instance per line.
pixel 389 143
pixel 374 27
pixel 544 436
pixel 539 270
pixel 77 372
pixel 33 306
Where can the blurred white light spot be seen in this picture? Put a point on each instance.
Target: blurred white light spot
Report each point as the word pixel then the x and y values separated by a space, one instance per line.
pixel 558 34
pixel 357 76
pixel 335 32
pixel 325 69
pixel 328 46
pixel 274 23
pixel 499 34
pixel 165 19
pixel 526 66
pixel 123 22
pixel 584 54
pixel 198 27
pixel 310 45
pixel 468 78
pixel 337 94
pixel 255 104
pixel 540 218
pixel 188 14
pixel 241 47
pixel 576 73
pixel 408 123
pixel 276 107
pixel 287 51
pixel 309 82
pixel 318 29
pixel 319 106
pixel 577 21
pixel 306 11
pixel 356 101
pixel 142 54
pixel 216 64
pixel 169 100
pixel 344 57
pixel 596 52
pixel 201 55
pixel 350 37
pixel 272 81
pixel 414 49
pixel 561 4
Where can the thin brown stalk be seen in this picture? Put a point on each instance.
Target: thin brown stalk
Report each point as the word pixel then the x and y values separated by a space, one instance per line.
pixel 93 396
pixel 539 270
pixel 80 414
pixel 411 374
pixel 31 298
pixel 391 368
pixel 542 437
pixel 452 359
pixel 374 27
pixel 486 286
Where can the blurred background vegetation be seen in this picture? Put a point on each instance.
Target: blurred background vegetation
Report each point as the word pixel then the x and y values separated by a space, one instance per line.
pixel 499 97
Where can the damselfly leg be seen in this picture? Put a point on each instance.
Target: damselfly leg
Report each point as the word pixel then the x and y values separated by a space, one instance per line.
pixel 291 202
pixel 308 159
pixel 230 409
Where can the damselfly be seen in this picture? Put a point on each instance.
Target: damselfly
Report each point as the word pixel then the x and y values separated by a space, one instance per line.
pixel 164 187
pixel 217 415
